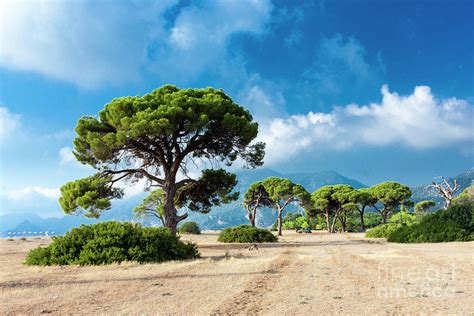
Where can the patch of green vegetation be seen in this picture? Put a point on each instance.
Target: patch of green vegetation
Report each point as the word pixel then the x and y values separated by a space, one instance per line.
pixel 189 228
pixel 246 234
pixel 371 220
pixel 382 231
pixel 110 242
pixel 296 221
pixel 453 224
pixel 429 231
pixel 403 218
pixel 466 196
pixel 395 222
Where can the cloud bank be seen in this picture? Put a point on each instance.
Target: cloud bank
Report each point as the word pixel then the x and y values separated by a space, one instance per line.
pixel 418 121
pixel 92 44
pixel 85 42
pixel 31 191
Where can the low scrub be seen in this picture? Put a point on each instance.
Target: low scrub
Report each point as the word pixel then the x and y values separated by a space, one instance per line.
pixel 189 228
pixel 382 231
pixel 454 224
pixel 246 234
pixel 296 221
pixel 397 221
pixel 430 231
pixel 112 242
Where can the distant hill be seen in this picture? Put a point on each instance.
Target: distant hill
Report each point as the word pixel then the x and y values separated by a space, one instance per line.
pixel 30 222
pixel 315 180
pixel 10 221
pixel 27 227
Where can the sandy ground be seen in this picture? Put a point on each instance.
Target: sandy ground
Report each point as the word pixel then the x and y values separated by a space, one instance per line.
pixel 302 274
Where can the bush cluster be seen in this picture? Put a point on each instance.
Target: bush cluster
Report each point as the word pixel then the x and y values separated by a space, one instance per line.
pixel 295 221
pixel 399 220
pixel 371 220
pixel 404 218
pixel 429 231
pixel 110 242
pixel 382 231
pixel 454 224
pixel 189 228
pixel 246 234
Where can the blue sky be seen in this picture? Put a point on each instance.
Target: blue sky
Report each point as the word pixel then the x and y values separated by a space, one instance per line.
pixel 376 90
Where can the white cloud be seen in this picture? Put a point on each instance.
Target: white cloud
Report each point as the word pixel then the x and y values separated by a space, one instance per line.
pixel 66 156
pixel 264 98
pixel 83 42
pixel 133 189
pixel 200 36
pixel 32 191
pixel 94 43
pixel 31 199
pixel 418 121
pixel 212 22
pixel 8 122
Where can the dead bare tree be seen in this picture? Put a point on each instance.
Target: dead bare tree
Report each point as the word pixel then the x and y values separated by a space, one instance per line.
pixel 445 190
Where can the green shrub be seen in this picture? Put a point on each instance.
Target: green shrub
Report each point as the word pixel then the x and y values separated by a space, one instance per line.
pixel 461 214
pixel 372 219
pixel 453 224
pixel 39 256
pixel 466 196
pixel 396 221
pixel 189 228
pixel 403 218
pixel 110 242
pixel 299 222
pixel 432 231
pixel 295 221
pixel 246 234
pixel 382 231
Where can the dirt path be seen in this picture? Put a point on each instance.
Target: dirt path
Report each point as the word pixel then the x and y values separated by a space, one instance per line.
pixel 302 274
pixel 248 301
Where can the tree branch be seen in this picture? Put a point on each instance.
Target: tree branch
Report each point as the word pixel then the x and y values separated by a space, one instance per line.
pixel 183 182
pixel 132 171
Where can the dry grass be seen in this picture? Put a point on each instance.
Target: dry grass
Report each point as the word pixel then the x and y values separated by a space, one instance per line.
pixel 316 273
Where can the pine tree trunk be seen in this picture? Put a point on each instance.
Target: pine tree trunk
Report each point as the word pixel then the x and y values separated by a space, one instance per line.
pixel 328 227
pixel 171 218
pixel 279 222
pixel 252 220
pixel 336 215
pixel 343 223
pixel 162 221
pixel 447 203
pixel 362 224
pixel 384 216
pixel 170 212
